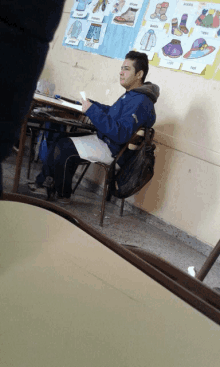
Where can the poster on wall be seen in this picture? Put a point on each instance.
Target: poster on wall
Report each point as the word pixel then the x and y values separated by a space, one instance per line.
pixel 80 9
pixel 74 31
pixel 148 41
pixel 126 13
pixel 170 52
pixel 160 13
pixel 94 34
pixel 200 51
pixel 98 10
pixel 180 23
pixel 183 18
pixel 184 34
pixel 91 34
pixel 193 53
pixel 207 19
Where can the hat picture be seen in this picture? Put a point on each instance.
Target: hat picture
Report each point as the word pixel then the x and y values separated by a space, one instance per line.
pixel 199 49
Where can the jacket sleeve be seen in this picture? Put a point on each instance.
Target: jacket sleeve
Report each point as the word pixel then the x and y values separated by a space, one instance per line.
pixel 121 130
pixel 104 107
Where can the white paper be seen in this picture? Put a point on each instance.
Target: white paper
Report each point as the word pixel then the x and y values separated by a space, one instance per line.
pixel 93 149
pixel 83 94
pixel 72 105
pixel 193 67
pixel 170 64
pixel 61 102
pixel 191 271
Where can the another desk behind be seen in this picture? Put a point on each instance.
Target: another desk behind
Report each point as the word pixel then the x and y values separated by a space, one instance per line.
pixel 65 108
pixel 67 299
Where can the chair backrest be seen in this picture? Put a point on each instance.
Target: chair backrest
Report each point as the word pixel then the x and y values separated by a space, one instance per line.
pixel 137 139
pixel 138 169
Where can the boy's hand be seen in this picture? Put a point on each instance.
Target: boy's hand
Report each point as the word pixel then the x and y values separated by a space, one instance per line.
pixel 85 105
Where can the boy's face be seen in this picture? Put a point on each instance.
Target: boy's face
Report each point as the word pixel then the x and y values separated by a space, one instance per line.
pixel 128 78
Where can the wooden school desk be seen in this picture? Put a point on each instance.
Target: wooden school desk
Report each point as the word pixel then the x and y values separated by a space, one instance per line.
pixel 69 299
pixel 63 106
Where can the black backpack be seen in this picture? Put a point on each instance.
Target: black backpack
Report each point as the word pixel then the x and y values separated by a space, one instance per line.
pixel 139 169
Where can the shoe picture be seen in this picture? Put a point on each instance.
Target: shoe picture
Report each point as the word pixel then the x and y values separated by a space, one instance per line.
pixel 127 18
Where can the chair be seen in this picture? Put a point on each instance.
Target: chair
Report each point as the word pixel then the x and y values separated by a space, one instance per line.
pixel 132 144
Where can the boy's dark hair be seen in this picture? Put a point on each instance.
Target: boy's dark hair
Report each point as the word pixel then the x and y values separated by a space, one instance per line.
pixel 140 62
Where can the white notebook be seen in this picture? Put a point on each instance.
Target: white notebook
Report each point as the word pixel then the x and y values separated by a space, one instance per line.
pixel 93 149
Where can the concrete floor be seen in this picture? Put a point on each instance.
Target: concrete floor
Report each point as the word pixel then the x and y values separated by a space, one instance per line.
pixel 136 227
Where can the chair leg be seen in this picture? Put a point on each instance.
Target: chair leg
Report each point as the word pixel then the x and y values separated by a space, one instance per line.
pixel 209 262
pixel 104 199
pixel 30 153
pixel 109 194
pixel 122 207
pixel 81 177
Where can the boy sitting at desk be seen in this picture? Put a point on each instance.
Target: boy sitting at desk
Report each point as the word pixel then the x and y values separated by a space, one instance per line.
pixel 115 126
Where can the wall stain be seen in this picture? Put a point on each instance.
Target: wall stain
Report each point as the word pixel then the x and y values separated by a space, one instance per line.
pixel 78 67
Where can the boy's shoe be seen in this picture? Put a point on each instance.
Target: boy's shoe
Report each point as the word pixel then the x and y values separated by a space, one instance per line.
pixel 62 200
pixel 49 184
pixel 33 186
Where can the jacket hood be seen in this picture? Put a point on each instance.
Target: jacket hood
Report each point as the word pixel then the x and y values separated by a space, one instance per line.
pixel 150 89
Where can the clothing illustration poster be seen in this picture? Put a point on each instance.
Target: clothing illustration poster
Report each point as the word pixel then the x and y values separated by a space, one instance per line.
pixel 201 52
pixel 126 12
pixel 170 53
pixel 207 19
pixel 91 34
pixel 191 52
pixel 183 18
pixel 98 9
pixel 180 24
pixel 160 12
pixel 74 31
pixel 95 33
pixel 148 41
pixel 80 8
pixel 184 34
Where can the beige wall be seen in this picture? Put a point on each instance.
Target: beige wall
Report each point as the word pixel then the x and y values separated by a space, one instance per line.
pixel 185 190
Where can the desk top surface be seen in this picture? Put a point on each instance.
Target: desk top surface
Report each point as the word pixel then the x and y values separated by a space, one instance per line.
pixel 57 102
pixel 67 300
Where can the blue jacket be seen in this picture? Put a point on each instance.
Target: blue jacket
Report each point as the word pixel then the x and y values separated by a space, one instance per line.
pixel 116 124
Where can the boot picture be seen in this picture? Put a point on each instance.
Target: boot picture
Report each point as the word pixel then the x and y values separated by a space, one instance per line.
pixel 175 30
pixel 163 10
pixel 182 26
pixel 127 18
pixel 156 14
